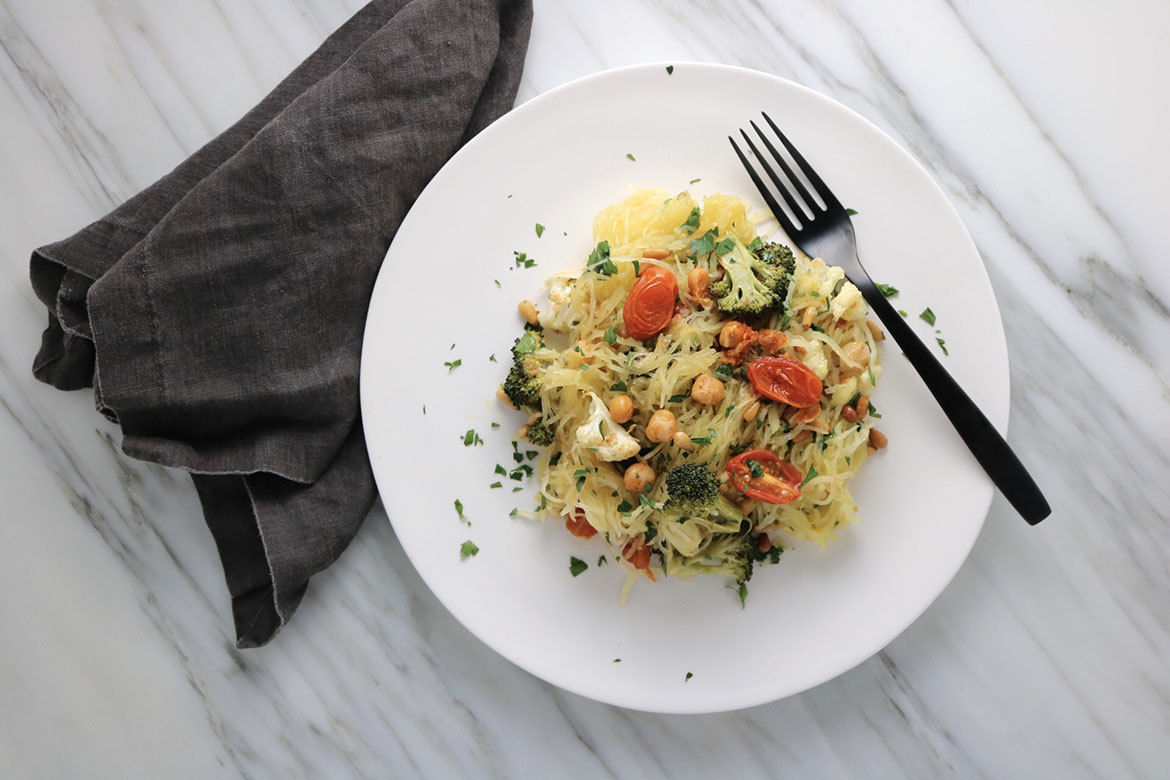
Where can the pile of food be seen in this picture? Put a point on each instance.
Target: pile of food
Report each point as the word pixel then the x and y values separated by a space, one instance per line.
pixel 702 395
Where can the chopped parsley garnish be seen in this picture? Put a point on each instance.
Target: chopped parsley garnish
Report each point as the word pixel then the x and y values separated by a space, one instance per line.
pixel 630 157
pixel 495 425
pixel 497 281
pixel 651 531
pixel 645 501
pixel 704 245
pixel 756 469
pixel 492 357
pixel 688 677
pixel 617 660
pixel 872 380
pixel 424 408
pixel 539 230
pixel 677 398
pixel 724 370
pixel 618 387
pixel 500 469
pixel 727 412
pixel 903 312
pixel 599 261
pixel 576 566
pixel 711 435
pixel 496 485
pixel 887 290
pixel 942 345
pixel 669 69
pixel 468 549
pixel 812 472
pixel 471 437
pixel 756 245
pixel 927 315
pixel 514 512
pixel 637 267
pixel 452 364
pixel 459 509
pixel 523 260
pixel 743 594
pixel 624 508
pixel 692 223
pixel 851 212
pixel 601 561
pixel 580 475
pixel 695 181
pixel 610 335
pixel 725 246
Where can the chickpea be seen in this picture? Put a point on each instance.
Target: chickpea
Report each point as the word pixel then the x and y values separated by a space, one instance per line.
pixel 772 340
pixel 639 477
pixel 527 310
pixel 732 333
pixel 621 408
pixel 683 441
pixel 662 426
pixel 707 390
pixel 698 283
pixel 858 354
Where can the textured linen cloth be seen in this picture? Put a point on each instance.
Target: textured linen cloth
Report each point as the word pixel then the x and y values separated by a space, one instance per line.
pixel 218 314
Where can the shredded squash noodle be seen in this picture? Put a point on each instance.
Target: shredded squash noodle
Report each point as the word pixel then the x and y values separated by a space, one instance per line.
pixel 574 361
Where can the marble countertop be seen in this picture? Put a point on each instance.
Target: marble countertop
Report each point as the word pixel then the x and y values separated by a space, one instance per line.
pixel 1049 654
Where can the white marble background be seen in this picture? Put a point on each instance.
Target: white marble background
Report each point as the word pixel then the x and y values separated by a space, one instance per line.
pixel 1047 125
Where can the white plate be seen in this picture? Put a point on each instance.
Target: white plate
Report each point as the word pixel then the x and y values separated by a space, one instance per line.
pixel 558 160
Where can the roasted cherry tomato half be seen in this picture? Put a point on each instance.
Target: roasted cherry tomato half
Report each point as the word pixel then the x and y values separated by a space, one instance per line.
pixel 650 305
pixel 637 554
pixel 785 380
pixel 773 480
pixel 578 526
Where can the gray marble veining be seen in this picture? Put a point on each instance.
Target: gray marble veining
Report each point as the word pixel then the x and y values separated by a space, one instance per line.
pixel 1047 655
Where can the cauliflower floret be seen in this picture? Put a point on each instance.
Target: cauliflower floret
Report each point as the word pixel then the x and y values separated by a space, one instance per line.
pixel 556 317
pixel 844 306
pixel 816 359
pixel 601 433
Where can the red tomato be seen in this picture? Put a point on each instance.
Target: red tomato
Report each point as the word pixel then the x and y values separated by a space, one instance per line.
pixel 785 380
pixel 637 552
pixel 650 304
pixel 778 484
pixel 579 526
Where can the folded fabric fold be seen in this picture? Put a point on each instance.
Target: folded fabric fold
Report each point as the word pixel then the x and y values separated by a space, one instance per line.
pixel 219 313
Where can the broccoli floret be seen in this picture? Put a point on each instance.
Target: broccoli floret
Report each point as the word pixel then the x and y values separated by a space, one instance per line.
pixel 750 286
pixel 530 357
pixel 540 434
pixel 730 555
pixel 693 491
pixel 779 257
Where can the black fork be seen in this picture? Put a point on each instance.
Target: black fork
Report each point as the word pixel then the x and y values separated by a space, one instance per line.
pixel 827 232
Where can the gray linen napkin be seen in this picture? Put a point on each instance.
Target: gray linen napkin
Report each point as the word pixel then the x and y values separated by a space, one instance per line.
pixel 219 313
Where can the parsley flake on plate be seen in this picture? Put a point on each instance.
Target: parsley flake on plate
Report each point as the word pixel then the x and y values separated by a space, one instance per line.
pixel 576 566
pixel 468 549
pixel 928 316
pixel 888 290
pixel 539 230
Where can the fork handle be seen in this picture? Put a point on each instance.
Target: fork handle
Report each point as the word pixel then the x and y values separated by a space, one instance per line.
pixel 989 448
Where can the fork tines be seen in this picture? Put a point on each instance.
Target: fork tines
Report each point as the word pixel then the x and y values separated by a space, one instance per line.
pixel 803 207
